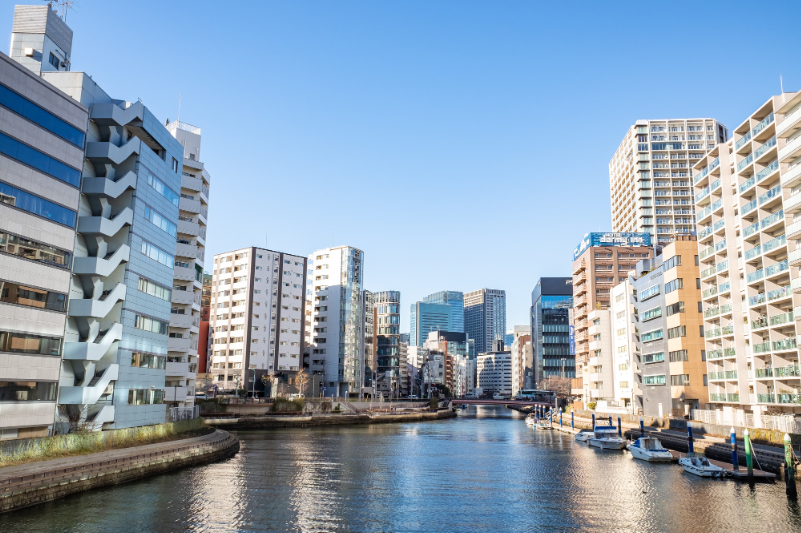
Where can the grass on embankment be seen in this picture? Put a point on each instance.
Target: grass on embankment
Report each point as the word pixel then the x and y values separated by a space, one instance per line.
pixel 15 452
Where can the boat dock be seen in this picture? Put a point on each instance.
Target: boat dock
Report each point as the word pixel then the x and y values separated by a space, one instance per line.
pixel 739 475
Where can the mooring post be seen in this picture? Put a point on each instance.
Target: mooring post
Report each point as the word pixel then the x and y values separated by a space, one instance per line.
pixel 642 427
pixel 789 468
pixel 560 418
pixel 593 421
pixel 619 427
pixel 572 420
pixel 734 460
pixel 689 437
pixel 749 460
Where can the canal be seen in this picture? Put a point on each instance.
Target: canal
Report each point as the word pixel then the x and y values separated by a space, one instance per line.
pixel 485 471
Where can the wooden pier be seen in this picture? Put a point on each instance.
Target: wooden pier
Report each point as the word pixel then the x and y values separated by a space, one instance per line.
pixel 760 476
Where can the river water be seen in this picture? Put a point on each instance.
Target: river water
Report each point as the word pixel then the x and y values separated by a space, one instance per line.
pixel 485 471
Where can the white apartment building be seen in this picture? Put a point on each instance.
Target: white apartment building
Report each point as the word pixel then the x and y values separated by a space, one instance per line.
pixel 190 251
pixel 600 377
pixel 494 373
pixel 649 175
pixel 522 354
pixel 624 348
pixel 749 231
pixel 336 343
pixel 464 375
pixel 256 317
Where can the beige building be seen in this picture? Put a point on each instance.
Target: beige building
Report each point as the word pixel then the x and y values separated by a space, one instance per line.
pixel 749 226
pixel 256 317
pixel 600 262
pixel 668 361
pixel 649 175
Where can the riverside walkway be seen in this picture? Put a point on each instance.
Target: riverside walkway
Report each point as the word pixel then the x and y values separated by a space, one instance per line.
pixel 41 481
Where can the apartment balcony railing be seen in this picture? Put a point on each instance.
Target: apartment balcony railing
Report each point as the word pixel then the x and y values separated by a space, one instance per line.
pixel 703 193
pixel 714 376
pixel 790 371
pixel 770 195
pixel 775 217
pixel 770 143
pixel 719 224
pixel 747 184
pixel 742 140
pixel 768 170
pixel 763 373
pixel 704 232
pixel 789 398
pixel 757 299
pixel 750 206
pixel 774 243
pixel 731 374
pixel 756 251
pixel 784 345
pixel 761 322
pixel 790 119
pixel 781 292
pixel 707 272
pixel 720 245
pixel 733 397
pixel 717 397
pixel 762 347
pixel 723 266
pixel 709 292
pixel 783 318
pixel 750 230
pixel 767 121
pixel 766 398
pixel 777 268
pixel 706 252
pixel 790 148
pixel 727 330
pixel 714 354
pixel 745 162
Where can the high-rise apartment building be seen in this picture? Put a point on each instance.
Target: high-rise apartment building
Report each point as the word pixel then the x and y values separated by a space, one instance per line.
pixel 335 278
pixel 485 317
pixel 369 364
pixel 669 358
pixel 257 317
pixel 386 327
pixel 649 175
pixel 522 356
pixel 600 261
pixel 749 226
pixel 551 301
pixel 425 318
pixel 204 336
pixel 455 300
pixel 42 136
pixel 190 251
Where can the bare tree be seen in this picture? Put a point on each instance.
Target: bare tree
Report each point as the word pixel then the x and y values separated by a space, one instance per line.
pixel 561 386
pixel 301 379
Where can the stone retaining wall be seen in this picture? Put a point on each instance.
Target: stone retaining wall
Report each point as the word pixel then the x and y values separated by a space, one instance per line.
pixel 266 422
pixel 41 486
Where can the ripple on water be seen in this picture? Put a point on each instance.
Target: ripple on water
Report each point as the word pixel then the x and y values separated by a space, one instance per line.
pixel 485 471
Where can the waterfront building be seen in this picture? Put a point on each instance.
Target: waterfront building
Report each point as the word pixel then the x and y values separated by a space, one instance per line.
pixel 599 372
pixel 485 317
pixel 453 347
pixel 416 357
pixel 551 301
pixel 204 336
pixel 190 252
pixel 455 300
pixel 403 369
pixel 116 338
pixel 335 297
pixel 257 318
pixel 649 175
pixel 42 133
pixel 522 356
pixel 624 346
pixel 494 371
pixel 427 317
pixel 600 261
pixel 747 202
pixel 669 359
pixel 369 363
pixel 386 345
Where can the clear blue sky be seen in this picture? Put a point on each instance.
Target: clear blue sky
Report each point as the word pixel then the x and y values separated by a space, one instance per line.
pixel 460 144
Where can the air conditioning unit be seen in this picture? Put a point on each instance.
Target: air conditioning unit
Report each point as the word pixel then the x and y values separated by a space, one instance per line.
pixel 29 52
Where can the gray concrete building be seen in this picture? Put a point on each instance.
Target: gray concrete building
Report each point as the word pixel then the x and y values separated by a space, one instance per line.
pixel 116 340
pixel 42 134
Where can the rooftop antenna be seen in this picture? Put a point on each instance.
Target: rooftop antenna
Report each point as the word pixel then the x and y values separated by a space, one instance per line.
pixel 63 4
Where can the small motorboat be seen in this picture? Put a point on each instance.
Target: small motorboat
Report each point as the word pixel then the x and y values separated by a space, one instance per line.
pixel 464 406
pixel 698 464
pixel 583 435
pixel 650 449
pixel 606 438
pixel 531 420
pixel 544 425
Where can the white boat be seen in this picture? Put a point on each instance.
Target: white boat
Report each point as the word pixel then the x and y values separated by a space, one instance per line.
pixel 583 435
pixel 650 449
pixel 544 425
pixel 531 420
pixel 698 464
pixel 606 438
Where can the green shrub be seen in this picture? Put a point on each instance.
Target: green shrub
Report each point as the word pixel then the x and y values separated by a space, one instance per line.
pixel 591 406
pixel 433 404
pixel 337 409
pixel 283 405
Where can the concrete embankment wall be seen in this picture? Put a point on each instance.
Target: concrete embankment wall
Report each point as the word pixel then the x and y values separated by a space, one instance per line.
pixel 42 484
pixel 43 448
pixel 266 422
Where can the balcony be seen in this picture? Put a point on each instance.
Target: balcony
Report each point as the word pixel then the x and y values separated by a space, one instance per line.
pixel 175 344
pixel 174 394
pixel 715 376
pixel 764 149
pixel 784 345
pixel 781 292
pixel 772 219
pixel 791 371
pixel 773 244
pixel 190 205
pixel 792 176
pixel 717 397
pixel 742 140
pixel 191 183
pixel 184 274
pixel 745 163
pixel 790 124
pixel 733 398
pixel 747 208
pixel 789 398
pixel 188 228
pixel 182 297
pixel 766 398
pixel 768 170
pixel 754 252
pixel 767 121
pixel 712 291
pixel 790 150
pixel 180 370
pixel 776 269
pixel 747 184
pixel 775 192
pixel 178 320
pixel 186 250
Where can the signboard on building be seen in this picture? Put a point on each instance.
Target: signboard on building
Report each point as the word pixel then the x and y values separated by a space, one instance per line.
pixel 572 341
pixel 611 239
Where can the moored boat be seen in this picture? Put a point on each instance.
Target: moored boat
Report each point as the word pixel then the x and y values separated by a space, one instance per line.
pixel 606 438
pixel 649 449
pixel 698 464
pixel 583 435
pixel 531 420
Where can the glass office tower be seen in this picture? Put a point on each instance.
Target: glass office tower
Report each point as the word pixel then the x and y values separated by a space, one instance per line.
pixel 551 301
pixel 455 300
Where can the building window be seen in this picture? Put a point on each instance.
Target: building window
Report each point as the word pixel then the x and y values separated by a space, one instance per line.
pixel 151 324
pixel 15 342
pixel 147 360
pixel 175 165
pixel 157 254
pixel 681 380
pixel 33 204
pixel 16 294
pixel 145 396
pixel 653 380
pixel 27 391
pixel 680 331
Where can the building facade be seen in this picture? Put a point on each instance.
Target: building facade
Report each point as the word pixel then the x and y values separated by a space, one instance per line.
pixel 669 360
pixel 257 318
pixel 43 134
pixel 427 317
pixel 600 261
pixel 624 349
pixel 387 348
pixel 522 356
pixel 190 252
pixel 485 317
pixel 748 230
pixel 494 373
pixel 335 278
pixel 454 349
pixel 551 301
pixel 455 300
pixel 649 175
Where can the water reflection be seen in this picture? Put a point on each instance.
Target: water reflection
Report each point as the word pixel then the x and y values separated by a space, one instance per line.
pixel 486 471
